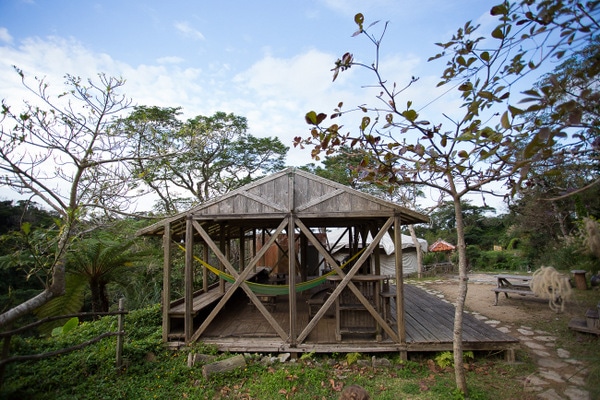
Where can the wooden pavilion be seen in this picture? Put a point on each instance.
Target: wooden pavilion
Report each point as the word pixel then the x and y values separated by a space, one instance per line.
pixel 318 304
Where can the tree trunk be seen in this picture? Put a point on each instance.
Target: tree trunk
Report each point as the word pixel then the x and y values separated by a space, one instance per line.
pixel 57 286
pixel 96 293
pixel 413 235
pixel 104 303
pixel 461 382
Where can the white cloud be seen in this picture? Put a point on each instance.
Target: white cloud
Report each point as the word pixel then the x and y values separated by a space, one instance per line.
pixel 170 60
pixel 5 36
pixel 188 31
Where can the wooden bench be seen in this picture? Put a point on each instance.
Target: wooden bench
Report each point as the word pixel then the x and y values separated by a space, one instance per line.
pixel 513 284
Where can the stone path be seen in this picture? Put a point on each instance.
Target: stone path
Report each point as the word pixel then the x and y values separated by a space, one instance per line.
pixel 558 377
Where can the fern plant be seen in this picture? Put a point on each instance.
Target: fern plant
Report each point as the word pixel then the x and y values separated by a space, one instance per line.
pixel 446 359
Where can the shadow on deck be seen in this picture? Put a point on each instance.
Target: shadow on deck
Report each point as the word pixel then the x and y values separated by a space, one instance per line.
pixel 240 327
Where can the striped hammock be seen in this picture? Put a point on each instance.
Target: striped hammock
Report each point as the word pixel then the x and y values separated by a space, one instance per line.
pixel 270 289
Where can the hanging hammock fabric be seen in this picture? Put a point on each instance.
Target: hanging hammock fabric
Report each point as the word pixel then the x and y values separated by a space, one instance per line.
pixel 269 289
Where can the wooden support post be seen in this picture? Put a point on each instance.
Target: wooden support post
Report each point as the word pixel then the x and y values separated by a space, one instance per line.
pixel 399 282
pixel 166 292
pixel 292 279
pixel 188 320
pixel 509 355
pixel 120 324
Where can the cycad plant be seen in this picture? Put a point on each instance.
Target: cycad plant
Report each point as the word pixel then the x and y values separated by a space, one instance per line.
pixel 93 264
pixel 100 261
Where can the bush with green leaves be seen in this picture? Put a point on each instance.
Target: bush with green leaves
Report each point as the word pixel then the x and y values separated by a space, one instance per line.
pixel 493 260
pixel 151 371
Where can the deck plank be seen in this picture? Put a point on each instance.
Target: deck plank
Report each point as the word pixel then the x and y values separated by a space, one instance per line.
pixel 429 327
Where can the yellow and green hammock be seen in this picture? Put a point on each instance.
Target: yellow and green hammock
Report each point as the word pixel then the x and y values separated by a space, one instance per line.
pixel 269 289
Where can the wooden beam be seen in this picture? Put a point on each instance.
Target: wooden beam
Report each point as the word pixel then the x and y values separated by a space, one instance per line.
pixel 263 201
pixel 166 292
pixel 239 282
pixel 319 200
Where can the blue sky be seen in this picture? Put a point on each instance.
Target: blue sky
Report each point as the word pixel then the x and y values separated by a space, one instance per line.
pixel 268 61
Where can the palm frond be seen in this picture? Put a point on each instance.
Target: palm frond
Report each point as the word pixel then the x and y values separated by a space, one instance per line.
pixel 69 303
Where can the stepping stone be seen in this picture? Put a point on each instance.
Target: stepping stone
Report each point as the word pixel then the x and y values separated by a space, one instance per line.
pixel 533 345
pixel 550 394
pixel 562 353
pixel 545 338
pixel 574 393
pixel 551 363
pixel 576 380
pixel 535 381
pixel 552 376
pixel 541 353
pixel 525 332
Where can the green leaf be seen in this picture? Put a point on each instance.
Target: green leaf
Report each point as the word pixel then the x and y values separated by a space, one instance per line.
pixel 359 18
pixel 463 154
pixel 311 118
pixel 504 121
pixel 66 328
pixel 70 325
pixel 498 33
pixel 500 9
pixel 514 111
pixel 365 123
pixel 26 228
pixel 486 95
pixel 410 115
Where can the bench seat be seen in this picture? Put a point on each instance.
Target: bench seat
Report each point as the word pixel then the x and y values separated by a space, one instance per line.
pixel 522 291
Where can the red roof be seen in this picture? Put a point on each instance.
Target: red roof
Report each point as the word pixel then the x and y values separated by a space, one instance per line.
pixel 441 245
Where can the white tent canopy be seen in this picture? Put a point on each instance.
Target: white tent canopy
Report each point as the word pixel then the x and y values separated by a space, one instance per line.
pixel 338 240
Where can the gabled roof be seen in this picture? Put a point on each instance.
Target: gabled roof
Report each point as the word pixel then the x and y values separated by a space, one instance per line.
pixel 265 202
pixel 441 245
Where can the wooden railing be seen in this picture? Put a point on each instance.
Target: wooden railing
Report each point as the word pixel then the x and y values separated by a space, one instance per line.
pixel 6 337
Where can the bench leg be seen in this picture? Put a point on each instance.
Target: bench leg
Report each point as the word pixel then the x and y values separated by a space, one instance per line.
pixel 496 302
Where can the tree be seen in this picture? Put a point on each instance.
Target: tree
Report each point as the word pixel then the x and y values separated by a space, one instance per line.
pixel 210 155
pixel 65 153
pixel 543 216
pixel 479 147
pixel 94 263
pixel 340 167
pixel 566 104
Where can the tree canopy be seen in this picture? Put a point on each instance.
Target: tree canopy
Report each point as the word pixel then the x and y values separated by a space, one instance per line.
pixel 208 156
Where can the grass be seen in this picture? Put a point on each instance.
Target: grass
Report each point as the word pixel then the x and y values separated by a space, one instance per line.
pixel 152 372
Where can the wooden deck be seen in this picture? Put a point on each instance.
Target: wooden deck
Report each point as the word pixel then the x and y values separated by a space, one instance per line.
pixel 240 327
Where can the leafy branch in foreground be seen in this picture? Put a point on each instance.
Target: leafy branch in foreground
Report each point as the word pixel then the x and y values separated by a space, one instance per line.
pixel 487 140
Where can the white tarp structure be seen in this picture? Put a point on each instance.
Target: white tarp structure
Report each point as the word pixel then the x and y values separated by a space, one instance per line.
pixel 338 240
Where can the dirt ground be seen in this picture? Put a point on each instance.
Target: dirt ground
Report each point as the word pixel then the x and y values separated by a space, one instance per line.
pixel 515 309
